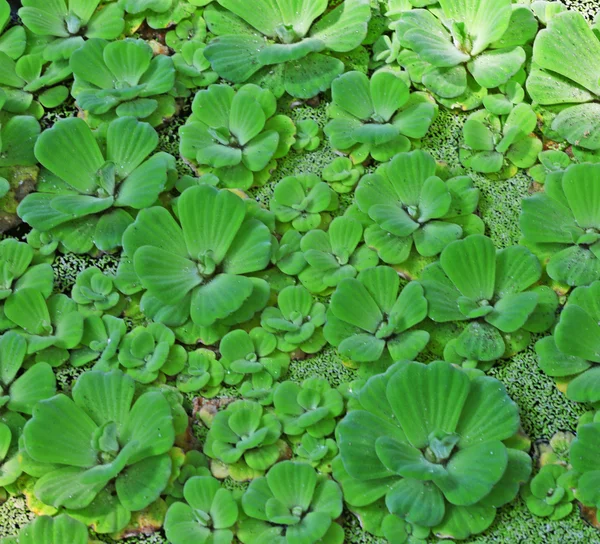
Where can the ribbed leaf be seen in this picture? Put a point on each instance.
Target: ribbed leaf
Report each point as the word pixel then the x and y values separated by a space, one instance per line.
pixel 578 334
pixel 210 219
pixel 344 27
pixel 352 303
pixel 407 172
pixel 60 416
pixel 35 384
pixel 352 93
pixel 427 398
pixel 128 143
pixel 70 151
pixel 420 503
pixel 471 266
pixel 128 59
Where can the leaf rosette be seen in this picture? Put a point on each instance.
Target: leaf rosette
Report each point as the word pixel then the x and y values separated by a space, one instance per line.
pixel 429 443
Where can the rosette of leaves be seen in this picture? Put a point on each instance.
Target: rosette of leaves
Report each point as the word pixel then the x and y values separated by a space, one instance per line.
pixel 190 270
pixel 562 223
pixel 494 291
pixel 244 433
pixel 147 351
pixel 370 316
pixel 107 455
pixel 122 79
pixel 95 292
pixel 334 255
pixel 492 143
pixel 319 452
pixel 192 29
pixel 376 116
pixel 202 373
pixel 465 44
pixel 549 494
pixel 70 21
pixel 84 193
pixel 52 326
pixel 570 354
pixel 159 14
pixel 303 201
pixel 310 407
pixel 564 73
pixel 386 51
pixel 100 342
pixel 21 389
pixel 17 139
pixel 17 272
pixel 342 175
pixel 185 466
pixel 287 254
pixel 61 529
pixel 293 39
pixel 237 134
pixel 585 461
pixel 410 205
pixel 208 514
pixel 253 362
pixel 551 161
pixel 308 135
pixel 193 70
pixel 446 469
pixel 292 503
pixel 297 321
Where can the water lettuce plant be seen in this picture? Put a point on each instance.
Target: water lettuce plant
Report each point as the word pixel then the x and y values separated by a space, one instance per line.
pixel 72 20
pixel 117 460
pixel 565 64
pixel 342 174
pixel 253 362
pixel 86 193
pixel 244 432
pixel 192 271
pixel 492 142
pixel 95 292
pixel 208 514
pixel 100 341
pixel 297 321
pixel 146 352
pixel 481 40
pixel 308 135
pixel 571 353
pixel 291 504
pixel 376 116
pixel 18 272
pixel 308 408
pixel 495 291
pixel 549 494
pixel 236 134
pixel 437 467
pixel 370 316
pixel 334 255
pixel 584 459
pixel 202 373
pixel 61 529
pixel 303 201
pixel 409 204
pixel 122 79
pixel 287 255
pixel 560 225
pixel 290 38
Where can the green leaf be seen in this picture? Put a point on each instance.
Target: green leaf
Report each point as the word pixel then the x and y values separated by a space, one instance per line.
pixel 69 150
pixel 460 522
pixel 388 94
pixel 352 92
pixel 405 460
pixel 59 530
pixel 567 37
pixel 578 334
pixel 435 49
pixel 579 125
pixel 488 414
pixel 420 503
pixel 345 27
pixel 37 383
pixel 352 303
pixel 494 68
pixel 584 449
pixel 311 75
pixel 512 311
pixel 60 416
pixel 142 483
pixel 574 266
pixel 128 143
pixel 27 308
pixel 471 266
pixel 585 387
pixel 480 342
pixel 427 399
pixel 210 219
pixel 218 299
